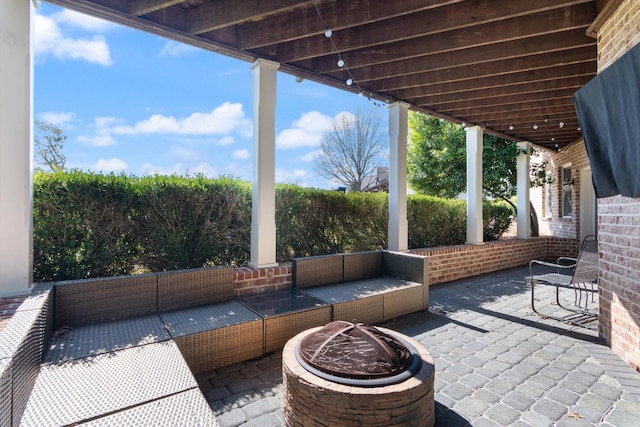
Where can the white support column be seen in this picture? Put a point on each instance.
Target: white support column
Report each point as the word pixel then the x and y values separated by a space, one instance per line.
pixel 523 186
pixel 398 133
pixel 16 146
pixel 474 185
pixel 263 208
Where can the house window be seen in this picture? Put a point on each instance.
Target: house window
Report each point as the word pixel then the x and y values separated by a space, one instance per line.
pixel 567 192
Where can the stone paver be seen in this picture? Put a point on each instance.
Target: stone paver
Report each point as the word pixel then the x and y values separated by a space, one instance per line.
pixel 497 364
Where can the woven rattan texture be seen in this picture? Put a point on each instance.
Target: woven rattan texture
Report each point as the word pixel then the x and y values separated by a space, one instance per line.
pixel 188 408
pixel 368 310
pixel 410 267
pixel 83 389
pixel 404 301
pixel 38 298
pixel 319 270
pixel 22 341
pixel 200 319
pixel 84 302
pixel 349 291
pixel 91 340
pixel 212 349
pixel 189 288
pixel 5 391
pixel 362 265
pixel 279 329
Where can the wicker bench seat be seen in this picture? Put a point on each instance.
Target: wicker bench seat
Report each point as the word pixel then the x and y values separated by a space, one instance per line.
pixel 123 350
pixel 365 287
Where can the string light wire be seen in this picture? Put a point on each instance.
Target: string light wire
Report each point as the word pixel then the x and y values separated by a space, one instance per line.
pixel 351 81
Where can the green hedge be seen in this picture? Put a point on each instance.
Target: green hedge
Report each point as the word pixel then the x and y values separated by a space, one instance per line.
pixel 90 225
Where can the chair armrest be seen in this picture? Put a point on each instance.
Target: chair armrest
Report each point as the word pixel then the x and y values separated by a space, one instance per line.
pixel 549 264
pixel 569 260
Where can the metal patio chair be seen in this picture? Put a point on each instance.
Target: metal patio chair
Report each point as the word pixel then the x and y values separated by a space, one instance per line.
pixel 577 274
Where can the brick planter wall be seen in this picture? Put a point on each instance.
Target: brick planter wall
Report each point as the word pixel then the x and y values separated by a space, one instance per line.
pixel 456 262
pixel 619 217
pixel 445 264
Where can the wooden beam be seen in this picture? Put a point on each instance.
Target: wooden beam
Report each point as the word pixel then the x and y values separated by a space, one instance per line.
pixel 223 13
pixel 323 50
pixel 581 55
pixel 499 112
pixel 509 50
pixel 516 99
pixel 391 29
pixel 337 15
pixel 521 88
pixel 143 7
pixel 531 76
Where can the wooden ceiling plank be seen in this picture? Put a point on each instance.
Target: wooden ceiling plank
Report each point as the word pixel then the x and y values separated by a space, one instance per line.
pixel 338 16
pixel 321 49
pixel 528 109
pixel 515 99
pixel 468 15
pixel 223 13
pixel 494 68
pixel 531 76
pixel 511 49
pixel 143 7
pixel 522 88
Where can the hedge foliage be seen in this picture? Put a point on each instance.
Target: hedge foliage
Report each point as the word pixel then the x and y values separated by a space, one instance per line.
pixel 92 225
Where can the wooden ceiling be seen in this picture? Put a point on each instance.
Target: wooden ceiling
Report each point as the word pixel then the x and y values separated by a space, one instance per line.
pixel 510 66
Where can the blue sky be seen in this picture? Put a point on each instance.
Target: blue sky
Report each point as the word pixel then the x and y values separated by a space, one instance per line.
pixel 136 103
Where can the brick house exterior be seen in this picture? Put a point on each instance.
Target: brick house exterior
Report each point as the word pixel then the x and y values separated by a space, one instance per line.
pixel 618 217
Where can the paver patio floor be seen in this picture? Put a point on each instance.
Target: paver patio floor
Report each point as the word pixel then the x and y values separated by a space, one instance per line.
pixel 497 364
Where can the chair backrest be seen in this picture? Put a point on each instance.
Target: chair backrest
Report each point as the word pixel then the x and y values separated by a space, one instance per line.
pixel 586 270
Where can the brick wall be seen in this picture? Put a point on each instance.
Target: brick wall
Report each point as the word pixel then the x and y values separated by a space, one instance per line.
pixel 575 155
pixel 619 217
pixel 457 262
pixel 445 263
pixel 252 281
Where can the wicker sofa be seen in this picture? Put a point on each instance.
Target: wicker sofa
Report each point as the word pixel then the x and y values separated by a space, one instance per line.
pixel 366 287
pixel 124 350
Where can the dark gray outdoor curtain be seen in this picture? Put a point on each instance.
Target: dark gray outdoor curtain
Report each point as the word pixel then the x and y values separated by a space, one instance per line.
pixel 608 109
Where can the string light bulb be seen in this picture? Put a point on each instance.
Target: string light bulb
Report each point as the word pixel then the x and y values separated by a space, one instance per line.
pixel 510 127
pixel 535 127
pixel 328 33
pixel 561 124
pixel 349 82
pixel 340 63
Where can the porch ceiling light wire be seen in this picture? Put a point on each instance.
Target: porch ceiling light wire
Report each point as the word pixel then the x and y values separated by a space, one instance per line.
pixel 328 34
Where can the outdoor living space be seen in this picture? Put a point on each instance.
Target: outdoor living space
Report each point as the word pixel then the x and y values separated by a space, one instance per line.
pixel 497 363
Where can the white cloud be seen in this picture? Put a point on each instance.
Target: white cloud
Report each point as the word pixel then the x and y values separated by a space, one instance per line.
pixel 226 140
pixel 222 120
pixel 103 137
pixel 205 169
pixel 296 176
pixel 241 154
pixel 111 165
pixel 310 156
pixel 80 20
pixel 184 153
pixel 97 140
pixel 305 132
pixel 56 118
pixel 49 39
pixel 172 48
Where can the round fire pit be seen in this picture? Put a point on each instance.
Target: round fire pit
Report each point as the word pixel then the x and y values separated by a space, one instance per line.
pixel 352 374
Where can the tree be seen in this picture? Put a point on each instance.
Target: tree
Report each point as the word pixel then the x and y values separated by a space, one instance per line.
pixel 49 141
pixel 352 149
pixel 437 162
